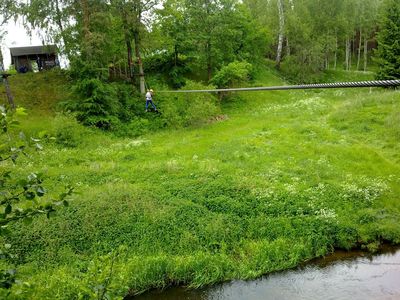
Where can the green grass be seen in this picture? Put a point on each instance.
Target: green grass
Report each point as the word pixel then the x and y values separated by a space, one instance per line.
pixel 39 92
pixel 288 176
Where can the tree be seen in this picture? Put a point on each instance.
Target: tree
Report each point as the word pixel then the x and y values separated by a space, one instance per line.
pixel 213 33
pixel 281 34
pixel 388 53
pixel 7 9
pixel 134 14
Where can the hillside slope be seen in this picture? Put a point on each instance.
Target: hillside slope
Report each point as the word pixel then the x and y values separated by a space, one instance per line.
pixel 38 92
pixel 286 177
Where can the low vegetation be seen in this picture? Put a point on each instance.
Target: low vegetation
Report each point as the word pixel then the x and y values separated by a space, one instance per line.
pixel 281 178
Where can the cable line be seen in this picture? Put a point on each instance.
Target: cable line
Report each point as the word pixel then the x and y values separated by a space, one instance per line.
pixel 355 84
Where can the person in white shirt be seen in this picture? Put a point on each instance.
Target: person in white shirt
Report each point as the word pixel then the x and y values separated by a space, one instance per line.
pixel 149 100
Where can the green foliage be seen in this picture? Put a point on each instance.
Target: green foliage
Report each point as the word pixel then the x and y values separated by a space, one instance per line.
pixel 295 71
pixel 67 132
pixel 182 110
pixel 388 53
pixel 234 74
pixel 172 68
pixel 21 198
pixel 11 70
pixel 97 103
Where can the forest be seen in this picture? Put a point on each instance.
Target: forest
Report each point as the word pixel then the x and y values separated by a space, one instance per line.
pixel 102 199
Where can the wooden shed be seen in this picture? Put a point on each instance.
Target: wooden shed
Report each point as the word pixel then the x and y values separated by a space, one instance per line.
pixel 42 57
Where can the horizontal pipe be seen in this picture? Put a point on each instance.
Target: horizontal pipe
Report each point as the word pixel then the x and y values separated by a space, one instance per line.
pixel 375 83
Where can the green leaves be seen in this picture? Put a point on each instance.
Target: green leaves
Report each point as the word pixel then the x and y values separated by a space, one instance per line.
pixel 40 191
pixel 8 209
pixel 29 195
pixel 233 75
pixel 21 198
pixel 388 42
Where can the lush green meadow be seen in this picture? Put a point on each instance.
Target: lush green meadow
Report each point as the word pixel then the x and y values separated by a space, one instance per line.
pixel 278 179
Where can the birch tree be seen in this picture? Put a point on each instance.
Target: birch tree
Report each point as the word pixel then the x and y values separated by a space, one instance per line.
pixel 7 10
pixel 281 33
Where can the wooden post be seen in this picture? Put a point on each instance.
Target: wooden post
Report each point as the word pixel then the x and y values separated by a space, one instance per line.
pixel 10 97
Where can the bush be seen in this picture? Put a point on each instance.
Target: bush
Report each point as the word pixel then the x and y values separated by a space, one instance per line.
pixel 234 74
pixel 296 71
pixel 173 69
pixel 98 104
pixel 67 131
pixel 188 109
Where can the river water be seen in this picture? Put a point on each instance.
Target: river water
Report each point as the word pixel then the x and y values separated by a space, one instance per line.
pixel 343 275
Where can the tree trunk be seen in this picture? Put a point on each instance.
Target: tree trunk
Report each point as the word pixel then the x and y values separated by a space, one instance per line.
pixel 59 23
pixel 327 61
pixel 58 16
pixel 348 53
pixel 287 47
pixel 129 52
pixel 10 97
pixel 365 53
pixel 209 62
pixel 336 49
pixel 281 34
pixel 139 62
pixel 359 50
pixel 86 17
pixel 86 28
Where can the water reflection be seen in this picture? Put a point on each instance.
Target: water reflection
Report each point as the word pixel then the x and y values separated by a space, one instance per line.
pixel 343 275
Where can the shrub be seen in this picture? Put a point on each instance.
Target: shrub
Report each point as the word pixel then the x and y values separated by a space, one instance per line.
pixel 188 109
pixel 97 103
pixel 67 131
pixel 295 70
pixel 136 127
pixel 233 74
pixel 173 68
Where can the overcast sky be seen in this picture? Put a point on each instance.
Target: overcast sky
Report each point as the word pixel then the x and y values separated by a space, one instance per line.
pixel 17 37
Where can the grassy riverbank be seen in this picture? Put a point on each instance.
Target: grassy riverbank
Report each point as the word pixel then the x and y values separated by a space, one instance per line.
pixel 281 178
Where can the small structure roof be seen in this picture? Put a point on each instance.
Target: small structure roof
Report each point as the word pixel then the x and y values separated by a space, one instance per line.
pixel 32 50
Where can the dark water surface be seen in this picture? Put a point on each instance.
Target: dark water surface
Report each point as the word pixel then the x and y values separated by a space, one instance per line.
pixel 343 275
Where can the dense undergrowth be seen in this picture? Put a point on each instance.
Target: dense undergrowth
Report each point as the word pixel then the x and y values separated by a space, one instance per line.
pixel 281 178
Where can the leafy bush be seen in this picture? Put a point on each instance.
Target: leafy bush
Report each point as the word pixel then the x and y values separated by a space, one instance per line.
pixel 233 74
pixel 136 127
pixel 294 70
pixel 67 131
pixel 188 109
pixel 173 68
